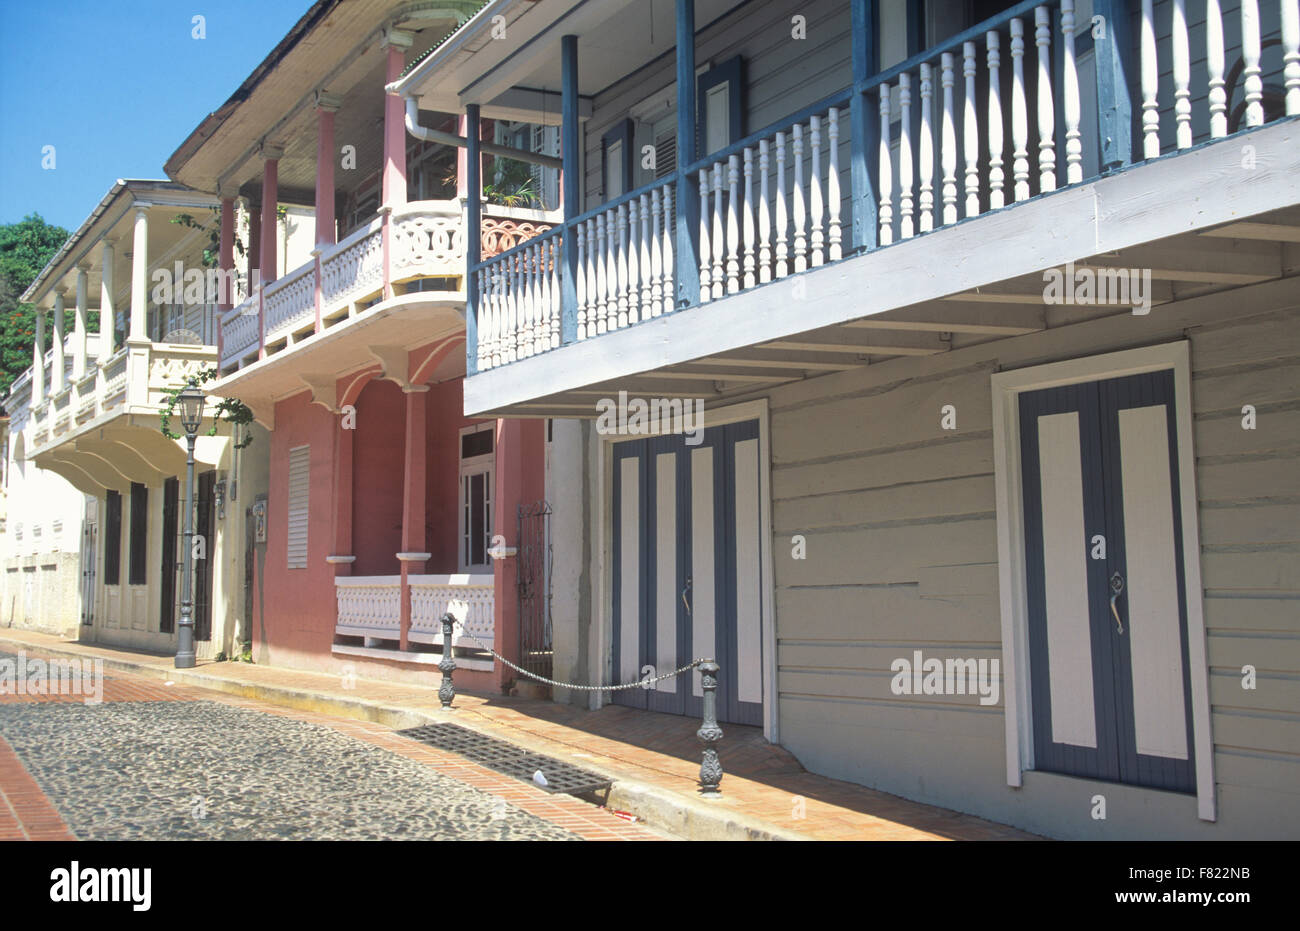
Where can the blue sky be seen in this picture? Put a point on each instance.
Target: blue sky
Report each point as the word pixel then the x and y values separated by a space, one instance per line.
pixel 115 87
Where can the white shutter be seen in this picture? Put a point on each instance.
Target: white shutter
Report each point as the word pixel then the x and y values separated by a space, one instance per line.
pixel 299 483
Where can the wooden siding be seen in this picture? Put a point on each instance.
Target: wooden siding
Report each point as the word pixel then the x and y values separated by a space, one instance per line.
pixel 899 520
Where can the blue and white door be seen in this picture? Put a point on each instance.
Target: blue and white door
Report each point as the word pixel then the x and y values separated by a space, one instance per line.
pixel 1110 684
pixel 687 569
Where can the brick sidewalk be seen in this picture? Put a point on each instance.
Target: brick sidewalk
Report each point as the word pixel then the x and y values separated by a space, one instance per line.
pixel 765 788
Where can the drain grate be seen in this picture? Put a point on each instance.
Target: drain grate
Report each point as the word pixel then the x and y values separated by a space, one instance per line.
pixel 507 759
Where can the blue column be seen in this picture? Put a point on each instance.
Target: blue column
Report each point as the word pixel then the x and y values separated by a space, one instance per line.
pixel 686 255
pixel 864 121
pixel 1114 105
pixel 473 232
pixel 570 137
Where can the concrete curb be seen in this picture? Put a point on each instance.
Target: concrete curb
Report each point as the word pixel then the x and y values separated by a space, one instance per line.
pixel 687 817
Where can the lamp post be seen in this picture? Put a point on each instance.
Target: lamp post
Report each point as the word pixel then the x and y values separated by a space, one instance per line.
pixel 190 402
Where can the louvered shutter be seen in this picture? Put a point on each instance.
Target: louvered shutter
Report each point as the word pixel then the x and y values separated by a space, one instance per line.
pixel 299 484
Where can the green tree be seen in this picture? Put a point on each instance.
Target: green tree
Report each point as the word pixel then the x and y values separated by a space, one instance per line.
pixel 25 248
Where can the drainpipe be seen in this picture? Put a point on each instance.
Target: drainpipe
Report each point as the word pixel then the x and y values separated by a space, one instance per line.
pixel 426 134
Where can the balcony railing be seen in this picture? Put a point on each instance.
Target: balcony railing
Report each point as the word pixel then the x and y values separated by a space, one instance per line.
pixel 426 240
pixel 370 607
pixel 987 119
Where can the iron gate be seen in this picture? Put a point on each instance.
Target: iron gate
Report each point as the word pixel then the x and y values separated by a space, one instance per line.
pixel 534 581
pixel 88 551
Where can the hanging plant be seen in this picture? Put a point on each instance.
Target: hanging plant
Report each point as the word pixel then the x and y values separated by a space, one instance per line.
pixel 231 410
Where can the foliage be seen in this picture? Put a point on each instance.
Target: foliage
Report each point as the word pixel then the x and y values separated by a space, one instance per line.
pixel 25 248
pixel 512 184
pixel 231 410
pixel 212 251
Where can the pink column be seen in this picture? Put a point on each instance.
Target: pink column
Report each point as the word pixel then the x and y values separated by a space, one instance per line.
pixel 520 468
pixel 226 263
pixel 396 43
pixel 343 497
pixel 326 106
pixel 254 255
pixel 413 556
pixel 462 159
pixel 270 195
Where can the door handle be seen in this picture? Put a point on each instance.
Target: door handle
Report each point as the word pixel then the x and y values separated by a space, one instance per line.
pixel 1116 589
pixel 686 603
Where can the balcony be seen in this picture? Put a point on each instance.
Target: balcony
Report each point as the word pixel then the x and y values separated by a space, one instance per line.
pixel 370 618
pixel 891 181
pixel 344 281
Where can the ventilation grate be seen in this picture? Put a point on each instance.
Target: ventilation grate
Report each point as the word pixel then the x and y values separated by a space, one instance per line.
pixel 508 759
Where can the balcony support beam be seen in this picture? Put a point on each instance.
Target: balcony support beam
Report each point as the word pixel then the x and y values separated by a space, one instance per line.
pixel 270 205
pixel 395 44
pixel 57 378
pixel 569 150
pixel 1114 64
pixel 38 358
pixel 686 275
pixel 413 493
pixel 326 106
pixel 107 312
pixel 473 232
pixel 864 129
pixel 140 275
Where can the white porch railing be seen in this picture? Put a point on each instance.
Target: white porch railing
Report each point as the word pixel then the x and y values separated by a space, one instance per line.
pixel 371 606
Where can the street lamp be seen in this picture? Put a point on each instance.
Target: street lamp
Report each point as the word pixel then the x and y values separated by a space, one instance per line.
pixel 190 402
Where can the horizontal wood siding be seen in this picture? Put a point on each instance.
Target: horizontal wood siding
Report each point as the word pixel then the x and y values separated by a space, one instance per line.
pixel 899 521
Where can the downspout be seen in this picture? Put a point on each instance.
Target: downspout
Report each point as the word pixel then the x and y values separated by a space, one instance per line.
pixel 426 134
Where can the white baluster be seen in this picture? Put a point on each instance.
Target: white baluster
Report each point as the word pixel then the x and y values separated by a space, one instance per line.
pixel 1291 55
pixel 1019 112
pixel 1070 103
pixel 926 164
pixel 1182 77
pixel 670 297
pixel 1218 98
pixel 532 300
pixel 816 203
pixel 611 269
pixel 747 220
pixel 602 271
pixel 905 228
pixel 649 305
pixel 1250 49
pixel 1150 82
pixel 633 263
pixel 706 290
pixel 719 233
pixel 556 258
pixel 995 121
pixel 948 143
pixel 764 219
pixel 593 286
pixel 581 283
pixel 834 234
pixel 797 204
pixel 657 234
pixel 885 175
pixel 733 224
pixel 970 132
pixel 782 221
pixel 620 263
pixel 1046 105
pixel 515 289
pixel 484 333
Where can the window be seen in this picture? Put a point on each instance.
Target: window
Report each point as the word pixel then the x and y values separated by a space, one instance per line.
pixel 112 538
pixel 297 518
pixel 138 566
pixel 720 93
pixel 477 470
pixel 616 160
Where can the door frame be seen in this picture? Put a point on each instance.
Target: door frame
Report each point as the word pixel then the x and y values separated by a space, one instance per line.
pixel 1006 388
pixel 603 645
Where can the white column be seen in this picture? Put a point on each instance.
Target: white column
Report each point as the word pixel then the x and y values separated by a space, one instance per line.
pixel 38 357
pixel 140 276
pixel 57 381
pixel 79 325
pixel 107 313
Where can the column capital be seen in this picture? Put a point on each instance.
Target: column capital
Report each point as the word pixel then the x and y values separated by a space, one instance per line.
pixel 83 266
pixel 270 151
pixel 414 389
pixel 397 38
pixel 331 103
pixel 142 206
pixel 109 242
pixel 61 289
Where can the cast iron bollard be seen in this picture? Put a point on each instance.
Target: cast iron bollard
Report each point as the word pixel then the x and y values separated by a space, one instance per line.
pixel 709 732
pixel 447 691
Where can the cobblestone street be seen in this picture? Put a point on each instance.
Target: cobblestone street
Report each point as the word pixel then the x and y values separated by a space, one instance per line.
pixel 157 762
